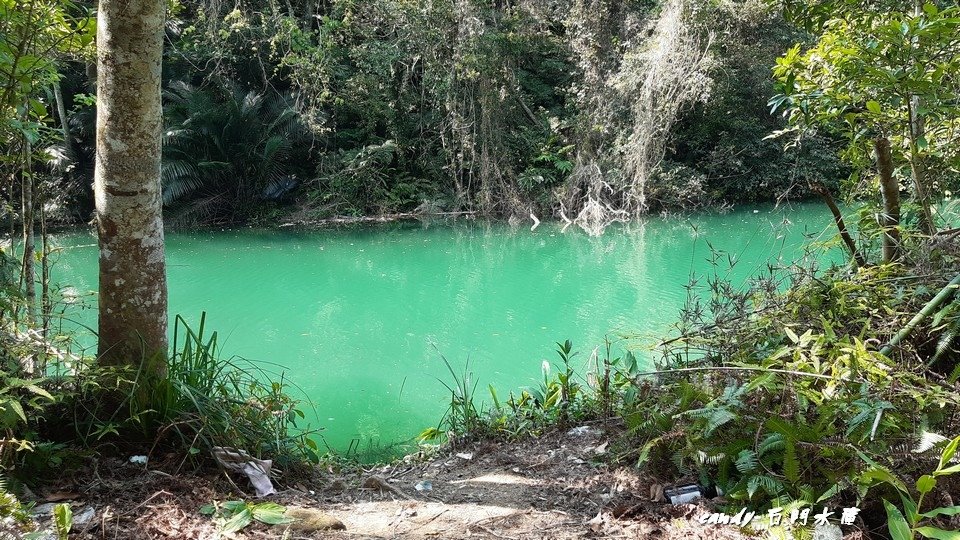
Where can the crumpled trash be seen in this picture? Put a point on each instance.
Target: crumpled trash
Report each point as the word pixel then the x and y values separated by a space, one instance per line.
pixel 423 486
pixel 138 460
pixel 683 494
pixel 84 516
pixel 584 431
pixel 257 470
pixel 598 523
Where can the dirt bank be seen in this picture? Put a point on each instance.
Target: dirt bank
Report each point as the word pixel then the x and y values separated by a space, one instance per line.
pixel 553 487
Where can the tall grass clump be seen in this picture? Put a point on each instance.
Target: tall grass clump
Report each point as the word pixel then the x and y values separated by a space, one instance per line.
pixel 204 401
pixel 463 418
pixel 564 394
pixel 208 401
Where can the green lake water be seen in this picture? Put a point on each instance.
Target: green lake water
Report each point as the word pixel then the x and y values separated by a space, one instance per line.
pixel 357 315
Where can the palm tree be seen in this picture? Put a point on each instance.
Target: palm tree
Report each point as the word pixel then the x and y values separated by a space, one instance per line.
pixel 227 151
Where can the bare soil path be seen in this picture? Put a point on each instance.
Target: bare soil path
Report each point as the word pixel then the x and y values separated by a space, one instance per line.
pixel 552 487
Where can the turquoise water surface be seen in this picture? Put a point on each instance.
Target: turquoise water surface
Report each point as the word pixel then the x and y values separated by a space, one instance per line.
pixel 360 315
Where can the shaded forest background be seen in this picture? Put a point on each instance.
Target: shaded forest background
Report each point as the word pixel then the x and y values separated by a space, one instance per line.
pixel 299 110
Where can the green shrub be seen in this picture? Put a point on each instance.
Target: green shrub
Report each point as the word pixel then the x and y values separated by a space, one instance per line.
pixel 775 393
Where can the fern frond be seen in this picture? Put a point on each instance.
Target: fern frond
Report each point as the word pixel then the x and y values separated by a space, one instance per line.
pixel 769 484
pixel 714 418
pixel 791 466
pixel 747 461
pixel 772 442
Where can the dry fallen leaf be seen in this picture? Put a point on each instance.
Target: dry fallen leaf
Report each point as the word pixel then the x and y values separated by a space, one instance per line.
pixel 656 493
pixel 58 496
pixel 596 524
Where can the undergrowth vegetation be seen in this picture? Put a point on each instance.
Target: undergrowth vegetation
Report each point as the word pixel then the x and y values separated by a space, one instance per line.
pixel 801 387
pixel 560 398
pixel 208 401
pixel 58 413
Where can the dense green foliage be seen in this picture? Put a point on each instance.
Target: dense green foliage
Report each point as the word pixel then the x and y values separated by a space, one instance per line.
pixel 229 153
pixel 721 150
pixel 395 106
pixel 802 376
pixel 806 385
pixel 882 74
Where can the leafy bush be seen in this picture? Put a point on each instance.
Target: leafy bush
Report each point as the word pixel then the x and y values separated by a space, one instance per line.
pixel 370 179
pixel 779 392
pixel 678 186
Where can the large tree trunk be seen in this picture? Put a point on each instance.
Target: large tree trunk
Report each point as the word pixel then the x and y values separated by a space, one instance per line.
pixel 890 189
pixel 133 282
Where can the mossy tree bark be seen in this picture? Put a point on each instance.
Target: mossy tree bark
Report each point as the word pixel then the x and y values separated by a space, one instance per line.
pixel 133 283
pixel 890 190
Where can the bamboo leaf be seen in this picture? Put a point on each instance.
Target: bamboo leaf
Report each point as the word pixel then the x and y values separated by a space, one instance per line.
pixel 899 530
pixel 271 514
pixel 17 408
pixel 949 470
pixel 239 520
pixel 938 534
pixel 881 474
pixel 39 391
pixel 942 511
pixel 791 334
pixel 948 452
